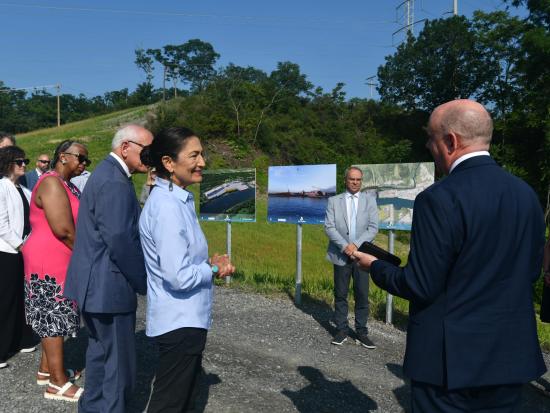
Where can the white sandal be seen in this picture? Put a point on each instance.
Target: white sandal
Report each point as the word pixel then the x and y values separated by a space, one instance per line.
pixel 60 395
pixel 72 375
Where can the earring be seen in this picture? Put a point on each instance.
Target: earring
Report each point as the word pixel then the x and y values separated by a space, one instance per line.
pixel 63 161
pixel 171 186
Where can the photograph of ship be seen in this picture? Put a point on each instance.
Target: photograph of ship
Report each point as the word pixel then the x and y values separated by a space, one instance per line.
pixel 396 186
pixel 228 194
pixel 299 194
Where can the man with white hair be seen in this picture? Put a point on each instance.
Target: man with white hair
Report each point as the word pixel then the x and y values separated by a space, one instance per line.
pixel 107 270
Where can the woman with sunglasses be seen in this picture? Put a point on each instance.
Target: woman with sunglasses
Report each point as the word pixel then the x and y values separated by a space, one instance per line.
pixel 14 228
pixel 47 252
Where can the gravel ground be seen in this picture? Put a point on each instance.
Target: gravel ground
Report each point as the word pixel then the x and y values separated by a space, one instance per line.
pixel 264 354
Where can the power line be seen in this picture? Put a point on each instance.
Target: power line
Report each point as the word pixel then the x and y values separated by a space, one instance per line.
pixel 177 14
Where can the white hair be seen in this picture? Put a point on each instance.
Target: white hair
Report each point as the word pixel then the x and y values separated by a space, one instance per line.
pixel 125 133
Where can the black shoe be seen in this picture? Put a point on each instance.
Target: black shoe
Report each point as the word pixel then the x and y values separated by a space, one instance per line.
pixel 365 341
pixel 340 338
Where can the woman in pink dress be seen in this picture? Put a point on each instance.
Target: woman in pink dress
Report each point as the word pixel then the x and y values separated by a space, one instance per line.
pixel 53 213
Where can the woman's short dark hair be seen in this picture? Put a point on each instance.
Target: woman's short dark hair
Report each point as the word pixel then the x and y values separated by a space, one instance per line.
pixel 168 142
pixel 8 154
pixel 62 147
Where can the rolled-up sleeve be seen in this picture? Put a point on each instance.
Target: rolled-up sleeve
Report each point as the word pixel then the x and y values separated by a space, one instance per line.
pixel 171 233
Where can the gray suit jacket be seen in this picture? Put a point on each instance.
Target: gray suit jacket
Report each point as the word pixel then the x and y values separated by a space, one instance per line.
pixel 337 228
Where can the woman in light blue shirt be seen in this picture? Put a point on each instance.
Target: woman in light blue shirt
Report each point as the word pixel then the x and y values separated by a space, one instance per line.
pixel 179 272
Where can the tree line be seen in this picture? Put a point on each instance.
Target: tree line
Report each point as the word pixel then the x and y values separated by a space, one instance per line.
pixel 281 117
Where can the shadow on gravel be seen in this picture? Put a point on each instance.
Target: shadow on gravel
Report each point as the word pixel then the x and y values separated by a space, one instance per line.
pixel 318 309
pixel 322 395
pixel 402 393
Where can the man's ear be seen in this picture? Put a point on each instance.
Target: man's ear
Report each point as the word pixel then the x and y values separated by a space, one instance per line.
pixel 451 142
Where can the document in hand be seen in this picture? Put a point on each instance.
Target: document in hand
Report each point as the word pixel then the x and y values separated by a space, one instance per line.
pixel 370 248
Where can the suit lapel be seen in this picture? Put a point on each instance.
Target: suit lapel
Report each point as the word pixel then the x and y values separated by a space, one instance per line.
pixel 361 205
pixel 344 208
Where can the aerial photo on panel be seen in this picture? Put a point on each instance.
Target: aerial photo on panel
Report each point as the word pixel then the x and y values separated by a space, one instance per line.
pixel 396 186
pixel 228 195
pixel 299 194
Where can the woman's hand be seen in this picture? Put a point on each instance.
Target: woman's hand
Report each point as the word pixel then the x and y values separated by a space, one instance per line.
pixel 224 265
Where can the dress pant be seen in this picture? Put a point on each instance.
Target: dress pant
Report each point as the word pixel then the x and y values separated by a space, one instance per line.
pixel 175 387
pixel 342 276
pixel 428 398
pixel 110 363
pixel 16 334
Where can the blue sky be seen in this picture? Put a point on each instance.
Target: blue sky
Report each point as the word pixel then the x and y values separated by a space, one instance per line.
pixel 88 46
pixel 302 178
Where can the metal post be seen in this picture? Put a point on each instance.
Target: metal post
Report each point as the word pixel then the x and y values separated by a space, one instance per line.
pixel 298 291
pixel 391 248
pixel 228 233
pixel 455 7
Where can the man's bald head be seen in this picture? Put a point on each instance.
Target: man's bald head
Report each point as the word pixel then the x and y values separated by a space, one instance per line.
pixel 466 118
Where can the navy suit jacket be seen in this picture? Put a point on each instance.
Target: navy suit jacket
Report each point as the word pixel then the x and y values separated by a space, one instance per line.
pixel 29 180
pixel 107 267
pixel 476 250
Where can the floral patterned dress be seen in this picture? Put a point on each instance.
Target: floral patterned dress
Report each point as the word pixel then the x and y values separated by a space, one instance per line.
pixel 46 260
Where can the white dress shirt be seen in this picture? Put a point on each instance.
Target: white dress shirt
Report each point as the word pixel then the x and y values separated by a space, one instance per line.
pixel 468 156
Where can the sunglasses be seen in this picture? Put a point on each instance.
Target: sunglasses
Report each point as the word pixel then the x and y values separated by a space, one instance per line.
pixel 81 158
pixel 138 144
pixel 21 162
pixel 43 161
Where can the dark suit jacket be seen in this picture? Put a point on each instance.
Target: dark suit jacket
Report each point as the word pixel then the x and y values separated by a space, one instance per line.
pixel 476 249
pixel 107 267
pixel 29 180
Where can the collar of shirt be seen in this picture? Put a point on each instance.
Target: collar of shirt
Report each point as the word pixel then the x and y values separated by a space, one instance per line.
pixel 179 193
pixel 350 195
pixel 38 172
pixel 121 162
pixel 467 156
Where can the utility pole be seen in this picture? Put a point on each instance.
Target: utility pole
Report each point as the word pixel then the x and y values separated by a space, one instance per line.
pixel 455 7
pixel 58 88
pixel 164 85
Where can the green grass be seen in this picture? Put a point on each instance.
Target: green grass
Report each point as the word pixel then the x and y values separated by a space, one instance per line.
pixel 264 253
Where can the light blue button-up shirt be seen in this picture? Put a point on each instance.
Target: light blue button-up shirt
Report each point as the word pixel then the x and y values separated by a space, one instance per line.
pixel 179 278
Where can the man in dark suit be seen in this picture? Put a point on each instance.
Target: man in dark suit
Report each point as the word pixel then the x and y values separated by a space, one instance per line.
pixel 351 219
pixel 107 270
pixel 30 179
pixel 476 250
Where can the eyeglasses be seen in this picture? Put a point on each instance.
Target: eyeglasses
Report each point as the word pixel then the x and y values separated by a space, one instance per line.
pixel 138 144
pixel 20 162
pixel 81 158
pixel 43 161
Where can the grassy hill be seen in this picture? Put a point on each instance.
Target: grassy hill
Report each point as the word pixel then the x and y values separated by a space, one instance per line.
pixel 265 254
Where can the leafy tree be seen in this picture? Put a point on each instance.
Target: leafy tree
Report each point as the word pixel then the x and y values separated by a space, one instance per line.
pixel 442 64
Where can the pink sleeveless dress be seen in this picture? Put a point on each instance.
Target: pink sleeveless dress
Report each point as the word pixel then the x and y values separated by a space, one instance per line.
pixel 46 260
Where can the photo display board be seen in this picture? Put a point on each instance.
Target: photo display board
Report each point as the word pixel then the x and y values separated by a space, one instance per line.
pixel 299 194
pixel 228 195
pixel 396 186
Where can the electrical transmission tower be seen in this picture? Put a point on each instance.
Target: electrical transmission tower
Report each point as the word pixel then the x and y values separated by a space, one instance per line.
pixel 405 18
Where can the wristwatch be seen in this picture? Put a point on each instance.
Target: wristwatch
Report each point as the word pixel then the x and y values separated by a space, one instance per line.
pixel 215 269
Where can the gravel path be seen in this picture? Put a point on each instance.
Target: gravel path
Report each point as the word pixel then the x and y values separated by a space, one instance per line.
pixel 263 355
